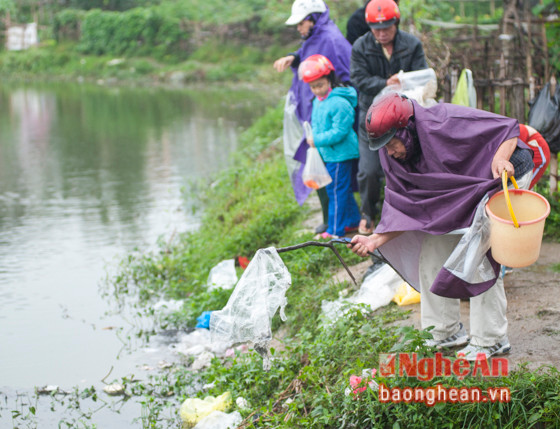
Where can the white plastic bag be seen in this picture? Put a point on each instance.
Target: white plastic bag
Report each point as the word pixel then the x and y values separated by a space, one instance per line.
pixel 315 174
pixel 223 275
pixel 377 290
pixel 248 313
pixel 220 420
pixel 419 85
pixel 292 135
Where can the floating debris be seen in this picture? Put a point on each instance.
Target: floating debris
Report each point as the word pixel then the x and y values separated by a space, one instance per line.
pixel 114 389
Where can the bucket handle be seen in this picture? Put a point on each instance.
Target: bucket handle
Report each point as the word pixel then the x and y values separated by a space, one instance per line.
pixel 506 194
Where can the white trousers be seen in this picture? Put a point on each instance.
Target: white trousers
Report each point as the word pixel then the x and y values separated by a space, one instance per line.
pixel 488 322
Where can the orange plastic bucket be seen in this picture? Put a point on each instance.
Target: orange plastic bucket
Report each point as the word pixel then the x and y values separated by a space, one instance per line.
pixel 517 246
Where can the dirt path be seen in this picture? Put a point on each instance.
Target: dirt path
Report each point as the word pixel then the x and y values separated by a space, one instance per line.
pixel 533 312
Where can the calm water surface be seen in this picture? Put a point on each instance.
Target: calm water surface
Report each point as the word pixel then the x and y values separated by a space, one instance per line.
pixel 87 174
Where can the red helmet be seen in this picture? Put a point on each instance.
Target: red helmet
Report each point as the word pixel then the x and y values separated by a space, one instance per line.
pixel 387 114
pixel 314 67
pixel 382 14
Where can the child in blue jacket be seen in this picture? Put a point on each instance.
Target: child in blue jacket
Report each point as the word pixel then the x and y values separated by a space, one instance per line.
pixel 332 120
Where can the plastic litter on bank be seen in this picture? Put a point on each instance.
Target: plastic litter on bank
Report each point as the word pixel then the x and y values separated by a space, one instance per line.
pixel 247 316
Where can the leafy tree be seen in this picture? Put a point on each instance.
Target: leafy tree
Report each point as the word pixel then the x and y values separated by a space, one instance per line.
pixel 7 6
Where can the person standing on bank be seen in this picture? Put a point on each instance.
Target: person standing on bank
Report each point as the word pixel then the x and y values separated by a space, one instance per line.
pixel 440 164
pixel 377 57
pixel 333 135
pixel 320 36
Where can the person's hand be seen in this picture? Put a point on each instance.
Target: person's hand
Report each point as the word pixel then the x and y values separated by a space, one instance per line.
pixel 500 162
pixel 362 245
pixel 499 165
pixel 393 80
pixel 310 141
pixel 283 63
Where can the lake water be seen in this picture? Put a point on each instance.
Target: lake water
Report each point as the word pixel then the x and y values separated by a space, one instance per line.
pixel 88 174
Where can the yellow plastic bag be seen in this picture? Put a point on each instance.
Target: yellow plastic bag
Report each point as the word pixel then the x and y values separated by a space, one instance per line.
pixel 406 295
pixel 465 94
pixel 194 409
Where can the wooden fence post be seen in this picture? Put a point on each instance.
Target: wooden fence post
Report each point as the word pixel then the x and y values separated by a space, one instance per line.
pixel 553 166
pixel 502 90
pixel 491 95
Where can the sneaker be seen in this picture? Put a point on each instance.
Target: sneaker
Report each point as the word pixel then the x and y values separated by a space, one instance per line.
pixel 460 338
pixel 326 236
pixel 321 228
pixel 473 353
pixel 506 270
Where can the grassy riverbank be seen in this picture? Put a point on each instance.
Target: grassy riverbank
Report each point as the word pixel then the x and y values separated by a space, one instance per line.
pixel 246 66
pixel 250 206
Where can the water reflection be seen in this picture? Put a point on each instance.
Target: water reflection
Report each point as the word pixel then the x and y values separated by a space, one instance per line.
pixel 86 175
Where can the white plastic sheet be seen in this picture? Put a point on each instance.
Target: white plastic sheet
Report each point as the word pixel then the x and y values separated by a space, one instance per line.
pixel 292 134
pixel 377 290
pixel 468 260
pixel 260 292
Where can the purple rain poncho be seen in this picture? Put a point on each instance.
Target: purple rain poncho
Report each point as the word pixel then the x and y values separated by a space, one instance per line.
pixel 439 190
pixel 326 39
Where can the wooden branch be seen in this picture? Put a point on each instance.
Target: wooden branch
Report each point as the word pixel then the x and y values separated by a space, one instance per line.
pixel 501 82
pixel 328 244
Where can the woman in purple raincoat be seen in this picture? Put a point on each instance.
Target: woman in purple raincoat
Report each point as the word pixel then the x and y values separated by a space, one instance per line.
pixel 320 36
pixel 440 164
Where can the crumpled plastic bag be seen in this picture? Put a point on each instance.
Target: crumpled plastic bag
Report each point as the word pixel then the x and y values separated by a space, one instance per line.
pixel 194 410
pixel 419 85
pixel 220 420
pixel 406 295
pixel 248 313
pixel 377 290
pixel 203 321
pixel 222 275
pixel 468 261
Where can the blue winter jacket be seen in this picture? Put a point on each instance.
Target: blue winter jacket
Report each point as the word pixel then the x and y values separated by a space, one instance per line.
pixel 332 120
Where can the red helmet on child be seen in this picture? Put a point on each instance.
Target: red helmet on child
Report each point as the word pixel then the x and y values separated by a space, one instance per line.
pixel 387 114
pixel 314 67
pixel 382 14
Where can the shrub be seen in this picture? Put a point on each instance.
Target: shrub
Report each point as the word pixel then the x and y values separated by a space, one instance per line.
pixel 139 31
pixel 67 23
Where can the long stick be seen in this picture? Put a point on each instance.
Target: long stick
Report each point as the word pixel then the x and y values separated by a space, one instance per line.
pixel 320 244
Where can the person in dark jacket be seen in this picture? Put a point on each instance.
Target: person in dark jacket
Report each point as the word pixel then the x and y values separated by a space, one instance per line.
pixel 357 26
pixel 377 57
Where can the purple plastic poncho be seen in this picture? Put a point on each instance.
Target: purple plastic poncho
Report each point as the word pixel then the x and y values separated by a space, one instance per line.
pixel 439 191
pixel 326 39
